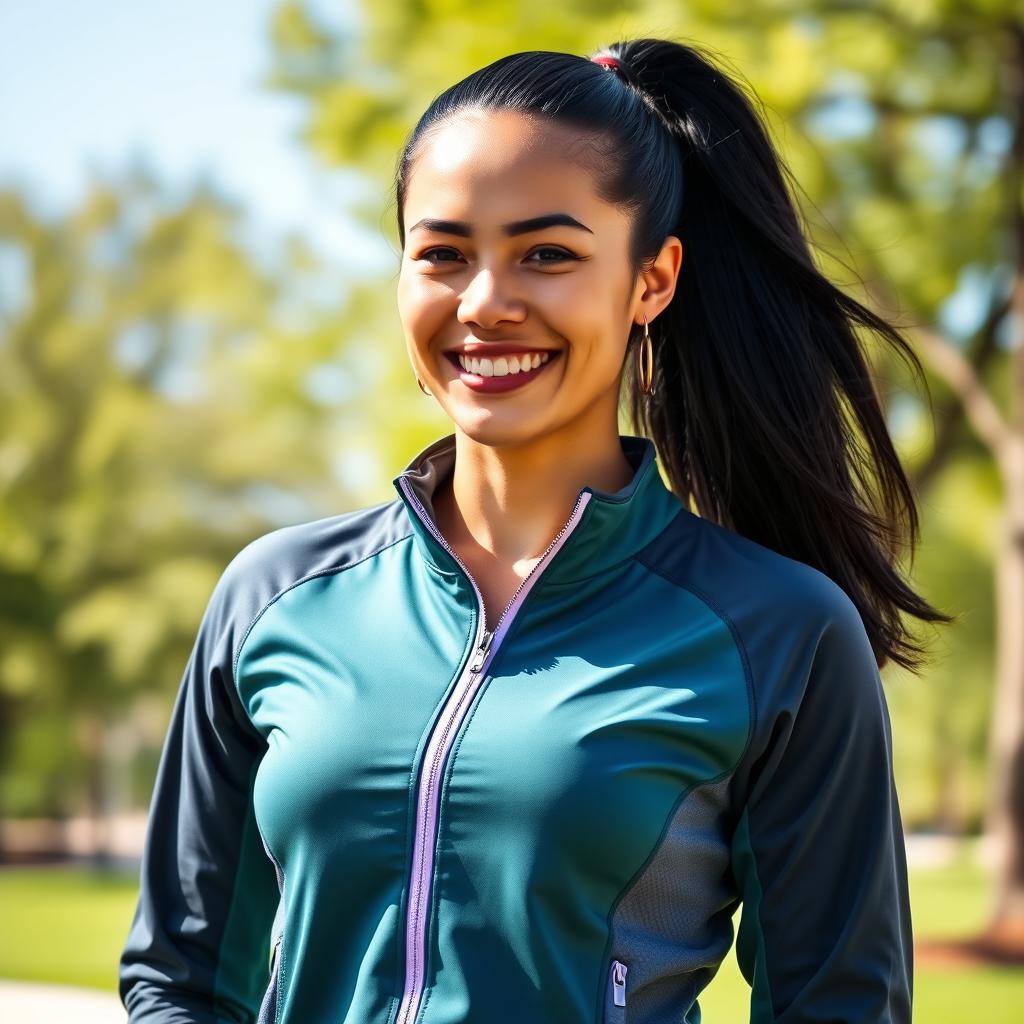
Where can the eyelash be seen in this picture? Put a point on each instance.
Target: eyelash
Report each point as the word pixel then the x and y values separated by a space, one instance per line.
pixel 564 254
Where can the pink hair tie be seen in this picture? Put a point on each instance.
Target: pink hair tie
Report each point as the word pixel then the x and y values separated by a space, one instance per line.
pixel 610 62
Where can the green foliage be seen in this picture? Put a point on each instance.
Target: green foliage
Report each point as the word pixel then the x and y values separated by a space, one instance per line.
pixel 155 415
pixel 941 720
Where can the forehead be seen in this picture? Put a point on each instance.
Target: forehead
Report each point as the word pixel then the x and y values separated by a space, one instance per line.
pixel 485 163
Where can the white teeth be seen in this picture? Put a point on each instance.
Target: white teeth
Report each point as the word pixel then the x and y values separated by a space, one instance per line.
pixel 502 366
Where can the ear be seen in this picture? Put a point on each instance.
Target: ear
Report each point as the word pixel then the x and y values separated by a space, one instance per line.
pixel 659 281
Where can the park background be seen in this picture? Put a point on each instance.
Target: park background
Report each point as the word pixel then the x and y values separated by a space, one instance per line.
pixel 199 343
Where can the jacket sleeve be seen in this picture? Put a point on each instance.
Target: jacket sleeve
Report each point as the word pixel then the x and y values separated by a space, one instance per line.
pixel 198 947
pixel 819 855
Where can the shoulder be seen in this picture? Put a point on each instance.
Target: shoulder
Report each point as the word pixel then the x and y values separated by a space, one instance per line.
pixel 274 562
pixel 812 678
pixel 288 554
pixel 796 629
pixel 754 586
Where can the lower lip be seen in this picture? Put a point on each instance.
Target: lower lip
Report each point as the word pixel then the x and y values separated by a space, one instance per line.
pixel 509 382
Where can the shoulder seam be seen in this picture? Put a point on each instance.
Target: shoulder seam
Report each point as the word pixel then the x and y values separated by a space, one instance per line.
pixel 737 640
pixel 295 583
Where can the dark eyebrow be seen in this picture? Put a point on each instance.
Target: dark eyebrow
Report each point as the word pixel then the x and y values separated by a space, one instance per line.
pixel 519 227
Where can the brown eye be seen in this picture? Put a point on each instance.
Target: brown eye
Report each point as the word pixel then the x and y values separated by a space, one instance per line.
pixel 559 254
pixel 431 252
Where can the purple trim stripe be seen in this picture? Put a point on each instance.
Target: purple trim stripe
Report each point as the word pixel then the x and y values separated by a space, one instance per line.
pixel 440 742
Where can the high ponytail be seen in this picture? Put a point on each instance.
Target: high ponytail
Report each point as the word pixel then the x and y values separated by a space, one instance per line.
pixel 764 413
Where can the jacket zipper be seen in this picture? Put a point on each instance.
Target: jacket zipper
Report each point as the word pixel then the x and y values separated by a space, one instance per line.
pixel 618 983
pixel 440 741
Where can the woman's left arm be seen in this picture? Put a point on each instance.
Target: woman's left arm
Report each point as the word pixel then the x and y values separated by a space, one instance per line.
pixel 819 856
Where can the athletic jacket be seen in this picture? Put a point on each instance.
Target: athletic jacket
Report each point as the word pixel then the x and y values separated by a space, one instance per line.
pixel 371 810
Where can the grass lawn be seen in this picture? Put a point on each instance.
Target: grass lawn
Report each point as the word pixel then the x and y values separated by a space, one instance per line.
pixel 64 924
pixel 67 925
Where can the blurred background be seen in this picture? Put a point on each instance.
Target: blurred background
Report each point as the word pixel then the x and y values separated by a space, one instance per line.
pixel 199 343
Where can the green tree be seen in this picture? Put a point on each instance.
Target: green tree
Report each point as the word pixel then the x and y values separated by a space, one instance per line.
pixel 162 402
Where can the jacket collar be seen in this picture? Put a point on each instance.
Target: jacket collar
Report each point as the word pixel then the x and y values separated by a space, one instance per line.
pixel 614 524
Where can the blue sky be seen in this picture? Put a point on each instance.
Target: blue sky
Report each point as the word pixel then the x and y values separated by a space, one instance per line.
pixel 92 86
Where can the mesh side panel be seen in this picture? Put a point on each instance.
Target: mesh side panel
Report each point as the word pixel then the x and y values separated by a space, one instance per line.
pixel 673 927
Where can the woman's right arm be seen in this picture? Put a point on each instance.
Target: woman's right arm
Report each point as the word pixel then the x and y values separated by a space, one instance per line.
pixel 198 947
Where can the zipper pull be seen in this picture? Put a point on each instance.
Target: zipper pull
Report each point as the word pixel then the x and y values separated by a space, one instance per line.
pixel 481 651
pixel 618 983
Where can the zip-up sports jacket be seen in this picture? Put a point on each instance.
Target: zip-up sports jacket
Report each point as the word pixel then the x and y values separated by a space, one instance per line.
pixel 371 809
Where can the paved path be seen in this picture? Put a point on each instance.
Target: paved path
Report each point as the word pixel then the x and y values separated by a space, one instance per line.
pixel 24 1001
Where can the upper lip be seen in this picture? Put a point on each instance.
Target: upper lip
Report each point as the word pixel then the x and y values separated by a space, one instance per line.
pixel 496 348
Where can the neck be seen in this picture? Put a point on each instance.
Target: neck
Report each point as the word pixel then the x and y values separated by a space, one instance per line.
pixel 510 501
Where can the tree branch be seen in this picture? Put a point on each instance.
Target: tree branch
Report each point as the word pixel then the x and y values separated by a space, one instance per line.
pixel 950 413
pixel 957 371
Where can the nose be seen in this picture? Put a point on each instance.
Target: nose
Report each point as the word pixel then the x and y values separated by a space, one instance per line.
pixel 487 302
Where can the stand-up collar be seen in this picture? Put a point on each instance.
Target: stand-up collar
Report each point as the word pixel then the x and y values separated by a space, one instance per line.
pixel 614 524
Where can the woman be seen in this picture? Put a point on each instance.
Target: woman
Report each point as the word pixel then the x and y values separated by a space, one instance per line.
pixel 516 745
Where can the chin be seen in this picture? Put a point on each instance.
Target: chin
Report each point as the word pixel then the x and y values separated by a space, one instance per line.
pixel 499 431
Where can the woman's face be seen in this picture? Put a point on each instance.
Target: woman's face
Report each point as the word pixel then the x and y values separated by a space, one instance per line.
pixel 473 284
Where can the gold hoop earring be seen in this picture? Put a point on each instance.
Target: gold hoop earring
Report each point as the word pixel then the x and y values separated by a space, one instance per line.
pixel 422 388
pixel 645 362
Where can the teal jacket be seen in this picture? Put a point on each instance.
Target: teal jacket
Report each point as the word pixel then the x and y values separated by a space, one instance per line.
pixel 372 810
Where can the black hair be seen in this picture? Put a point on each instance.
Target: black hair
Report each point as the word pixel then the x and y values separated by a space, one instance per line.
pixel 765 414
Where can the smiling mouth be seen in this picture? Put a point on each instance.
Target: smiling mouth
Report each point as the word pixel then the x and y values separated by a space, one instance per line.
pixel 500 366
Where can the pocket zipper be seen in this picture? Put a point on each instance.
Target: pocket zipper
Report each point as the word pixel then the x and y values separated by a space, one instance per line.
pixel 269 1008
pixel 618 983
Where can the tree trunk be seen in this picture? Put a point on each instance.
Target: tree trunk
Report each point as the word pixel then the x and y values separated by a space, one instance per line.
pixel 1005 817
pixel 94 749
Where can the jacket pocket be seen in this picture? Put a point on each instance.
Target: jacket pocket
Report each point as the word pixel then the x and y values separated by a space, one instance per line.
pixel 268 1008
pixel 615 997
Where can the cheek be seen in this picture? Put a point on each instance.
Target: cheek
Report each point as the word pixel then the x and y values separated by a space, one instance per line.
pixel 408 296
pixel 422 308
pixel 596 336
